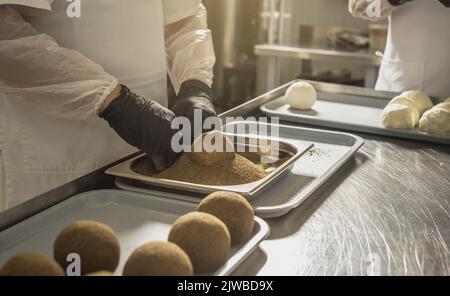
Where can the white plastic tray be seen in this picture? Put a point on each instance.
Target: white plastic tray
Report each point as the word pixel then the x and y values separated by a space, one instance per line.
pixel 351 112
pixel 331 151
pixel 136 218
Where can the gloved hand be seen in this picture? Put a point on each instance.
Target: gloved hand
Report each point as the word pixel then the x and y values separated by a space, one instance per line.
pixel 366 9
pixel 194 95
pixel 143 124
pixel 446 3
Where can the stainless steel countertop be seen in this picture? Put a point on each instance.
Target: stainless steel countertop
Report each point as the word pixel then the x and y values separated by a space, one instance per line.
pixel 386 212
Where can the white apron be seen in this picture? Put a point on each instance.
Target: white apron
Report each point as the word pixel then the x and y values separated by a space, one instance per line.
pixel 40 152
pixel 417 54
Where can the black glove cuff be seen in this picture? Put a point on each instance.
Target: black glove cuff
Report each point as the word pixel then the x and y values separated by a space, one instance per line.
pixel 119 115
pixel 113 109
pixel 195 88
pixel 399 2
pixel 446 3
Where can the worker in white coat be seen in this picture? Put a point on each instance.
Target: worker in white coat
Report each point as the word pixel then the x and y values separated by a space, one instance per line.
pixel 77 78
pixel 417 55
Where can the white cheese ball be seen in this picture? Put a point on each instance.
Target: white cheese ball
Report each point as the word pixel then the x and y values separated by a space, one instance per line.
pixel 420 100
pixel 437 120
pixel 408 103
pixel 400 113
pixel 399 116
pixel 301 96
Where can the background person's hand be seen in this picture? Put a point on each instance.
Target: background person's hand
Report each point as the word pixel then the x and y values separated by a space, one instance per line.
pixel 365 9
pixel 194 95
pixel 144 124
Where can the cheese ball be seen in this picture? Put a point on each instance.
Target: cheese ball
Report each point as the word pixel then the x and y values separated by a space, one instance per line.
pixel 233 210
pixel 402 100
pixel 437 120
pixel 400 113
pixel 205 152
pixel 421 101
pixel 204 238
pixel 158 259
pixel 301 96
pixel 96 243
pixel 31 264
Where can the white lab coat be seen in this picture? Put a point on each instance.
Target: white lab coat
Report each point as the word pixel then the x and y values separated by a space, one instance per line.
pixel 417 55
pixel 39 152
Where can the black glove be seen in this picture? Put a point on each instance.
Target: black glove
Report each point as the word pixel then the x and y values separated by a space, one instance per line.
pixel 194 95
pixel 399 2
pixel 143 124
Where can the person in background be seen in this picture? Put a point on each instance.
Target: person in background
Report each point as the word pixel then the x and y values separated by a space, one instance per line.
pixel 73 88
pixel 417 55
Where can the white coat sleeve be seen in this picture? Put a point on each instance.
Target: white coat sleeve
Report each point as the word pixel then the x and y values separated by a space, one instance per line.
pixel 370 10
pixel 37 4
pixel 36 71
pixel 189 46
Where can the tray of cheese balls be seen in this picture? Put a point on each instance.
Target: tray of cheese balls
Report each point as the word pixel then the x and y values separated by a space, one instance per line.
pixel 409 115
pixel 113 233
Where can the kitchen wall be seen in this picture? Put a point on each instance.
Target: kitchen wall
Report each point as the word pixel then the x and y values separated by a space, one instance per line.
pixel 238 25
pixel 332 13
pixel 235 28
pixel 321 13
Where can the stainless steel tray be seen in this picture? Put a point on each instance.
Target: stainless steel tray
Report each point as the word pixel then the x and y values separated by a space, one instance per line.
pixel 136 218
pixel 347 108
pixel 291 153
pixel 331 151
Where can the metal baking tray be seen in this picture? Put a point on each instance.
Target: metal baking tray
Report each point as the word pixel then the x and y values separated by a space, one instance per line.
pixel 348 108
pixel 136 219
pixel 288 154
pixel 330 152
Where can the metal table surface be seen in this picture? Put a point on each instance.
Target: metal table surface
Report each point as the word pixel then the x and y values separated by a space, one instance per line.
pixel 386 212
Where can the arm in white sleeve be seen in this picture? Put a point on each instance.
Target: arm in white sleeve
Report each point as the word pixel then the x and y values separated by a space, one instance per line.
pixel 36 71
pixel 371 10
pixel 189 46
pixel 29 5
